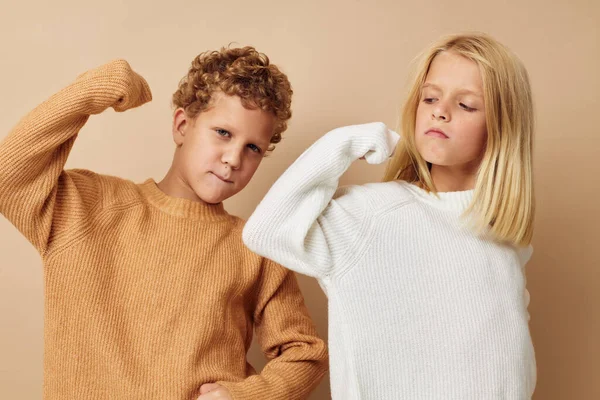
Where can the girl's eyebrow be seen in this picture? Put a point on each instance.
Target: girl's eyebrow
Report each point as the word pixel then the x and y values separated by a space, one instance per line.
pixel 428 85
pixel 461 91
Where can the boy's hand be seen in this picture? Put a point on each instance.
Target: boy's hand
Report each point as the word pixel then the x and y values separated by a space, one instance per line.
pixel 115 85
pixel 212 391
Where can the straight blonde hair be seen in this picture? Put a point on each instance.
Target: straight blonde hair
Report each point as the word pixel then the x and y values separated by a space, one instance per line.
pixel 503 205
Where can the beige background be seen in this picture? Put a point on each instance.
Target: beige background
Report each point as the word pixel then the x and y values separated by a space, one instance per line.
pixel 348 62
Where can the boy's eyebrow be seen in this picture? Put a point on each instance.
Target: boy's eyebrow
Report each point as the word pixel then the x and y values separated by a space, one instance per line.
pixel 461 91
pixel 222 124
pixel 229 128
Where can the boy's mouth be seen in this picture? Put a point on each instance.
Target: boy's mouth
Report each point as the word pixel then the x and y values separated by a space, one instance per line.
pixel 221 178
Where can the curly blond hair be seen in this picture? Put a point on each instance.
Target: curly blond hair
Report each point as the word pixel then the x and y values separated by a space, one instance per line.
pixel 242 72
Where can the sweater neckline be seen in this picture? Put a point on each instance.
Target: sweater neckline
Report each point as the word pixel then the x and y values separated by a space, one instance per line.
pixel 457 201
pixel 180 207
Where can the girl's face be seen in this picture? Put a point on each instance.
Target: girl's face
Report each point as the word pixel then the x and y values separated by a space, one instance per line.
pixel 450 130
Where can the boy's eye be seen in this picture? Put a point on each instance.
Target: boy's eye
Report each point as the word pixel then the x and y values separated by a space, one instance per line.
pixel 254 148
pixel 223 132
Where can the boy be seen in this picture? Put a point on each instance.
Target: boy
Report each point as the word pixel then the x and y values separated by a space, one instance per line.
pixel 149 290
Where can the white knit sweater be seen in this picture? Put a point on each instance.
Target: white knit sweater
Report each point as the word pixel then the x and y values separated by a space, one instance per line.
pixel 419 306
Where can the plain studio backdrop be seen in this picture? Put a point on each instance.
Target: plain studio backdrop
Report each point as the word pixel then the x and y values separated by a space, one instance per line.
pixel 348 63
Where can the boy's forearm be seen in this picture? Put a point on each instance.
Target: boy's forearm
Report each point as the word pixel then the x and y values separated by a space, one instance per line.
pixel 33 155
pixel 284 379
pixel 288 338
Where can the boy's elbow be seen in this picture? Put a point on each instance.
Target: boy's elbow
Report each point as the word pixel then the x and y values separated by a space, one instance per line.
pixel 320 360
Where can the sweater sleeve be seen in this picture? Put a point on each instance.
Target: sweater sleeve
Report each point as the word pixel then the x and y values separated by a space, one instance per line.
pixel 36 195
pixel 297 356
pixel 298 224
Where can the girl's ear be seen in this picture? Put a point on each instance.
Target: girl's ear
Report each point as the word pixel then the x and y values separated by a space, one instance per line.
pixel 181 121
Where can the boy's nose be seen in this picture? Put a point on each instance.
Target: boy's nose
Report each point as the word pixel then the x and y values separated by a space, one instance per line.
pixel 232 158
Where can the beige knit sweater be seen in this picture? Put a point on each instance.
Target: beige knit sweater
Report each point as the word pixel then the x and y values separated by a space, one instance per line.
pixel 146 296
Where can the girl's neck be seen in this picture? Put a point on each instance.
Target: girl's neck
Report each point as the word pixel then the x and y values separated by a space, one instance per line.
pixel 452 179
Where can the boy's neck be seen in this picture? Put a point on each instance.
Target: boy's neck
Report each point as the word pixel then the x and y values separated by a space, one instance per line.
pixel 174 186
pixel 170 203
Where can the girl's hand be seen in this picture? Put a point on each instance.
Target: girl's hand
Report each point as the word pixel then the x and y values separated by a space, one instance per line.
pixel 212 391
pixel 393 139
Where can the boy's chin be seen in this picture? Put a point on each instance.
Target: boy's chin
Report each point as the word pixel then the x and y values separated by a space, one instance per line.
pixel 214 198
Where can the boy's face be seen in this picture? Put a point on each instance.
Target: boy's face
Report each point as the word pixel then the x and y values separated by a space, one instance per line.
pixel 218 151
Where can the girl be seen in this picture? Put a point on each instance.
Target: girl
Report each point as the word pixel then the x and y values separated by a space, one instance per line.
pixel 424 273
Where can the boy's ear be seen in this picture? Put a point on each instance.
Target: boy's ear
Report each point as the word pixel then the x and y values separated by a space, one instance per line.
pixel 181 121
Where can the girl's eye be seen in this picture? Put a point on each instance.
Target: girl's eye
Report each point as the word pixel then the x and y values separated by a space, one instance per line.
pixel 428 100
pixel 254 148
pixel 223 132
pixel 466 107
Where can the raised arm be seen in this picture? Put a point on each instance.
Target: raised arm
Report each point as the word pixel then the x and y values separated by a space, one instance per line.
pixel 298 224
pixel 33 155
